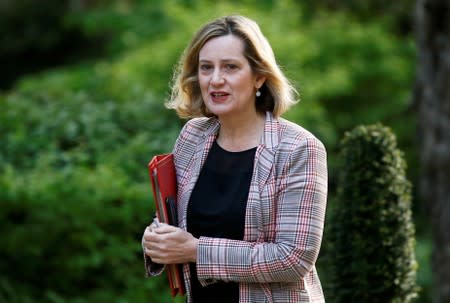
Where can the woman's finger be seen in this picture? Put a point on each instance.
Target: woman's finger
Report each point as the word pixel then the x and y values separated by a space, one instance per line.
pixel 165 228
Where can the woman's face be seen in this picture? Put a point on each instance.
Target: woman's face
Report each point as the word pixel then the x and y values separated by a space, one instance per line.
pixel 227 82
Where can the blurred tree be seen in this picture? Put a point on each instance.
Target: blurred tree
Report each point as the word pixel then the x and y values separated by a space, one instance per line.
pixel 397 13
pixel 35 35
pixel 69 128
pixel 432 99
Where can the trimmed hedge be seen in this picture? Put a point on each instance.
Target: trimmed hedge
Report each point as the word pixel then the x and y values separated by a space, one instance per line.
pixel 371 227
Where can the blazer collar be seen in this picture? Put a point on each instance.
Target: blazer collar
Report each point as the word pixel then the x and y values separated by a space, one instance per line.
pixel 264 159
pixel 269 139
pixel 265 153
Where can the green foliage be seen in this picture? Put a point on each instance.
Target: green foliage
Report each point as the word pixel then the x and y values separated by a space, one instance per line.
pixel 74 193
pixel 397 14
pixel 36 35
pixel 75 140
pixel 356 73
pixel 123 24
pixel 372 232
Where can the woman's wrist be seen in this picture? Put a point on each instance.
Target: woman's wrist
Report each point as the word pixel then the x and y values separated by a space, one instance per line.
pixel 194 250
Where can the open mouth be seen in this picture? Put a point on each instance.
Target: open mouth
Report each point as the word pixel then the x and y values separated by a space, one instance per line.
pixel 217 95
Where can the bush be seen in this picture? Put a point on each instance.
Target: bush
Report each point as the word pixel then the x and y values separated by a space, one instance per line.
pixel 75 140
pixel 75 196
pixel 371 227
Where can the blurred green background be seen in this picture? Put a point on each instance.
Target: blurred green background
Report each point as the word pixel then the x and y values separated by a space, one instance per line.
pixel 82 91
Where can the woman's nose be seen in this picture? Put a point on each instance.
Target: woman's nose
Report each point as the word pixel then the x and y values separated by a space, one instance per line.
pixel 217 77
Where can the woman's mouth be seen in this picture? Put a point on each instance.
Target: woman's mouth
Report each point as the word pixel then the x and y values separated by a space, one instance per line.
pixel 219 96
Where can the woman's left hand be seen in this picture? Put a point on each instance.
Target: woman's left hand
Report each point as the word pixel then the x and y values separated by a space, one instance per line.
pixel 167 244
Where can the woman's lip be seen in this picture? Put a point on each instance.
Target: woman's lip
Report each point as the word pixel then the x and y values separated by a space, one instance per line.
pixel 219 96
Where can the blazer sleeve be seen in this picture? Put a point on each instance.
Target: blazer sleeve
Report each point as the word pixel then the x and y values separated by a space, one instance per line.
pixel 151 268
pixel 300 202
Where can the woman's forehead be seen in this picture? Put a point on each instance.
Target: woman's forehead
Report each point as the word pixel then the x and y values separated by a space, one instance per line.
pixel 227 47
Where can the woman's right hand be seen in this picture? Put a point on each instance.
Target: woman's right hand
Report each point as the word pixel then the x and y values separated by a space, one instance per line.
pixel 167 244
pixel 147 231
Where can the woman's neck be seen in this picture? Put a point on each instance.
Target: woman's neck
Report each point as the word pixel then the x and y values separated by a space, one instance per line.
pixel 241 133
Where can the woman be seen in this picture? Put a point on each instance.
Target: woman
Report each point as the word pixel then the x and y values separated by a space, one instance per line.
pixel 252 186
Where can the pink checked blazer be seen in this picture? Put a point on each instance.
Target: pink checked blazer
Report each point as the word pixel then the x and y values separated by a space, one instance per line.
pixel 275 262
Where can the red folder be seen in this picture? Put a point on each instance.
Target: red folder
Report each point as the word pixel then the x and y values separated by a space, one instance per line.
pixel 164 184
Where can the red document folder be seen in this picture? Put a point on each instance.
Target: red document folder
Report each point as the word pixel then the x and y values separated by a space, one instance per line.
pixel 164 184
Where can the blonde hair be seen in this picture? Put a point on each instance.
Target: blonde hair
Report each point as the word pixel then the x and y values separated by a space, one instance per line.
pixel 277 93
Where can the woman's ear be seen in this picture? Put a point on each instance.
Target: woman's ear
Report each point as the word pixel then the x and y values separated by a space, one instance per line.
pixel 259 81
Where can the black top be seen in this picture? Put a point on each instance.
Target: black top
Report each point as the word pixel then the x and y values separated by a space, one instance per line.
pixel 217 209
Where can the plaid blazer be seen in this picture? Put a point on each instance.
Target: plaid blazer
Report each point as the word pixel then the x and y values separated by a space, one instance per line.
pixel 275 262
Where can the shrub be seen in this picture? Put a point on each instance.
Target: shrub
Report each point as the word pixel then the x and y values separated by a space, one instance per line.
pixel 74 141
pixel 371 227
pixel 75 196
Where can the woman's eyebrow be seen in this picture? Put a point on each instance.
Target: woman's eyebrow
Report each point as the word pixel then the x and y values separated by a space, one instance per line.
pixel 204 60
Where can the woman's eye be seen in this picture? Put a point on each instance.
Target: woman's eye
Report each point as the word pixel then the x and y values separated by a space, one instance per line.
pixel 205 67
pixel 231 66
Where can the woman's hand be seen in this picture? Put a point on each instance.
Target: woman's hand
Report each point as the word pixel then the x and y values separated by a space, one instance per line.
pixel 166 244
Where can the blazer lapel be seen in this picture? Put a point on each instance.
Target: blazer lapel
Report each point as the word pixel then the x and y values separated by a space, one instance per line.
pixel 263 166
pixel 200 155
pixel 265 157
